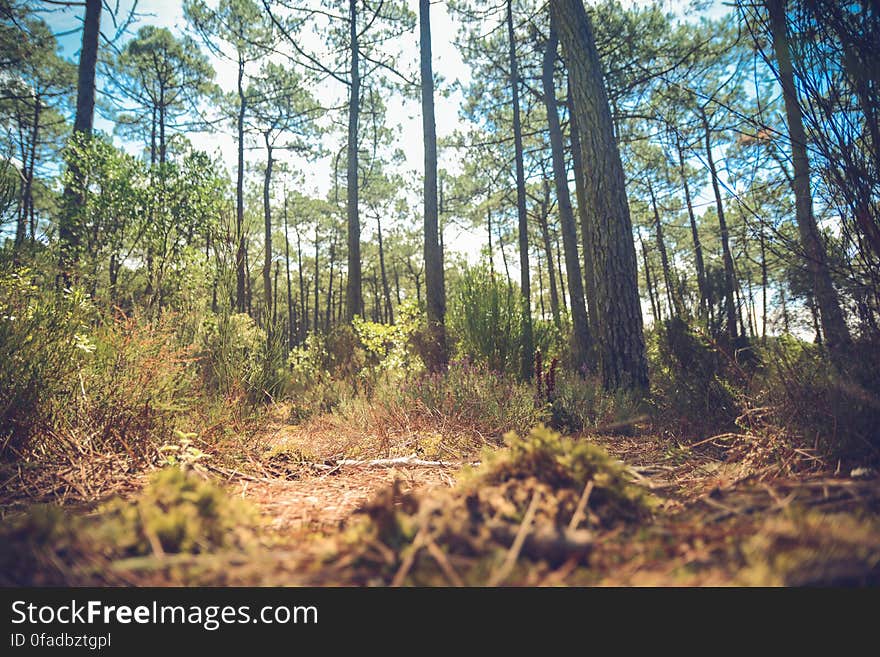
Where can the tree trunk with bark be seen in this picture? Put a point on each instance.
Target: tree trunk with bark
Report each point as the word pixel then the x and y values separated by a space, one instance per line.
pixel 620 340
pixel 834 326
pixel 434 285
pixel 528 345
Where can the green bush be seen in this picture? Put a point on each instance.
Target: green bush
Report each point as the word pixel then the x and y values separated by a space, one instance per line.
pixel 805 393
pixel 484 320
pixel 579 404
pixel 695 387
pixel 241 359
pixel 44 339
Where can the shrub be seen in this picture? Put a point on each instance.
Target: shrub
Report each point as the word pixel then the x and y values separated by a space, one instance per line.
pixel 694 385
pixel 241 359
pixel 467 398
pixel 484 320
pixel 43 341
pixel 804 392
pixel 177 512
pixel 580 404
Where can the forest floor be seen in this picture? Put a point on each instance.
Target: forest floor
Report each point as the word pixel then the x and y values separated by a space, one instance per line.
pixel 721 516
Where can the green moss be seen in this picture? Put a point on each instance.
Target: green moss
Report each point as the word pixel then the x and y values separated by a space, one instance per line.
pixel 564 464
pixel 177 512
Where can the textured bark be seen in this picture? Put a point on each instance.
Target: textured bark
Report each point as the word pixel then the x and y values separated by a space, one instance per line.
pixel 528 347
pixel 834 326
pixel 729 276
pixel 354 300
pixel 68 233
pixel 584 219
pixel 620 340
pixel 434 285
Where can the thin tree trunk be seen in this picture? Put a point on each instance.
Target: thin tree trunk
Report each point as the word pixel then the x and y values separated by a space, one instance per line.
pixel 729 275
pixel 763 283
pixel 548 255
pixel 833 324
pixel 291 312
pixel 620 340
pixel 317 280
pixel 655 310
pixel 695 235
pixel 330 284
pixel 354 304
pixel 303 297
pixel 676 306
pixel 386 289
pixel 434 285
pixel 267 216
pixel 528 346
pixel 240 254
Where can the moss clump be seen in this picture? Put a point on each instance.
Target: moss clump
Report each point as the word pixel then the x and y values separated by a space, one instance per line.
pixel 465 535
pixel 177 512
pixel 814 549
pixel 565 465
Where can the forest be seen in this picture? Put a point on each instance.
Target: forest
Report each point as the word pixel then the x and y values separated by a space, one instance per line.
pixel 439 293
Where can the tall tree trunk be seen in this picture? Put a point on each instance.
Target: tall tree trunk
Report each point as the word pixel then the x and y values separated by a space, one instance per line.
pixel 579 318
pixel 548 255
pixel 833 324
pixel 489 233
pixel 620 339
pixel 434 288
pixel 695 234
pixel 291 312
pixel 267 217
pixel 317 280
pixel 541 285
pixel 163 151
pixel 528 346
pixel 727 258
pixel 68 230
pixel 584 217
pixel 763 283
pixel 240 253
pixel 327 319
pixel 354 301
pixel 562 295
pixel 303 296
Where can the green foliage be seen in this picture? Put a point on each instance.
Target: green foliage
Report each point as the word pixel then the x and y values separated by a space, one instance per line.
pixel 563 463
pixel 696 388
pixel 241 360
pixel 580 404
pixel 805 393
pixel 177 512
pixel 484 320
pixel 389 346
pixel 44 339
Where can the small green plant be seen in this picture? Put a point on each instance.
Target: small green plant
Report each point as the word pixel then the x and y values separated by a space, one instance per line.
pixel 182 454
